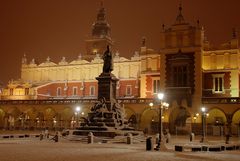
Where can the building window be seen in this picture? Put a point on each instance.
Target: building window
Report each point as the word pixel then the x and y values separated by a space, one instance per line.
pixel 180 76
pixel 11 92
pixel 26 91
pixel 74 91
pixel 128 90
pixel 218 83
pixel 92 90
pixel 59 91
pixel 156 86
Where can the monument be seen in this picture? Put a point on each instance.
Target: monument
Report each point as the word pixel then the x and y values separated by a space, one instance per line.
pixel 107 117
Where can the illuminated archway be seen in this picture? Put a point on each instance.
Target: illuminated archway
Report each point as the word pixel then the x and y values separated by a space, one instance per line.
pixel 128 112
pixel 13 117
pixel 30 116
pixel 236 117
pixel 130 117
pixel 39 120
pixel 177 120
pixel 216 117
pixel 49 115
pixel 66 117
pixel 148 119
pixel 236 123
pixel 2 114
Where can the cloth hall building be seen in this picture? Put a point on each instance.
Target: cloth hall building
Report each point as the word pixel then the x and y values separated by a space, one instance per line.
pixel 189 71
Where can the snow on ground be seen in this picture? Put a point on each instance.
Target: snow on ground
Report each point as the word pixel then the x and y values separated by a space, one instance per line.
pixel 32 149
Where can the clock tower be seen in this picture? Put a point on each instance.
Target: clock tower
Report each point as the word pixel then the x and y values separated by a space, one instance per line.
pixel 101 35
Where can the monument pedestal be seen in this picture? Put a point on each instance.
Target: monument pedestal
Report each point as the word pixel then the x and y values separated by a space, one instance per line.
pixel 107 116
pixel 107 86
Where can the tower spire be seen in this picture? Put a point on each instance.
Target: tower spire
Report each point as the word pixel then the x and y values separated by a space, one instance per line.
pixel 180 18
pixel 101 35
pixel 101 28
pixel 101 4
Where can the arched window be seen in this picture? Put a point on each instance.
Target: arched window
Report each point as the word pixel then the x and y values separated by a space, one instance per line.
pixel 75 91
pixel 59 91
pixel 92 91
pixel 11 92
pixel 26 91
pixel 128 90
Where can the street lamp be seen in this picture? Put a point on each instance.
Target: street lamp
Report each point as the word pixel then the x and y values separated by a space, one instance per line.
pixel 203 110
pixel 195 117
pixel 77 112
pixel 160 144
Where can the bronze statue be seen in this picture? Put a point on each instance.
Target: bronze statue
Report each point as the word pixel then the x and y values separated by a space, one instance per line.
pixel 108 61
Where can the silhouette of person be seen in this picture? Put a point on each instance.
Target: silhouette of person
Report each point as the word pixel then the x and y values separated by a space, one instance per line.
pixel 55 138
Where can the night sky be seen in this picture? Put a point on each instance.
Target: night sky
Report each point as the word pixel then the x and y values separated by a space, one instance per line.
pixel 58 28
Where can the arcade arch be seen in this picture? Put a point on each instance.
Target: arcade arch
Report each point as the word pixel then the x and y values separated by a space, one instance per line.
pixel 130 116
pixel 236 123
pixel 49 115
pixel 236 117
pixel 148 117
pixel 2 115
pixel 177 119
pixel 216 117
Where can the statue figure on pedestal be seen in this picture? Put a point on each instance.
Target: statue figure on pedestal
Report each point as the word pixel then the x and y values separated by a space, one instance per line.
pixel 108 61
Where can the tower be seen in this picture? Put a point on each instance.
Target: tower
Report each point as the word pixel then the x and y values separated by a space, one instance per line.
pixel 101 35
pixel 181 68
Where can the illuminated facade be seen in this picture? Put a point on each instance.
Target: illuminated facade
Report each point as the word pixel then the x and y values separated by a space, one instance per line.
pixel 188 69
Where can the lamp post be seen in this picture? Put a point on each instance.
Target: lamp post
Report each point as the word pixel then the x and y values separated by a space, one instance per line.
pixel 194 125
pixel 160 144
pixel 195 117
pixel 77 112
pixel 203 109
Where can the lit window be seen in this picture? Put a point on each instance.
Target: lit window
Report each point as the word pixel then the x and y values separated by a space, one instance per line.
pixel 59 91
pixel 156 86
pixel 92 90
pixel 74 91
pixel 11 92
pixel 218 83
pixel 128 90
pixel 26 91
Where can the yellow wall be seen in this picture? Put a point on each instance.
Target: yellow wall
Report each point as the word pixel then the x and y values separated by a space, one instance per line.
pixel 78 70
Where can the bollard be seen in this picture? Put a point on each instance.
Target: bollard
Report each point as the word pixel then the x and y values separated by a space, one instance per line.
pixel 190 137
pixel 193 136
pixel 149 144
pixel 90 138
pixel 129 138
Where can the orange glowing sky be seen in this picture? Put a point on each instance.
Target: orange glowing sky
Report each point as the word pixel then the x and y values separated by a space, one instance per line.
pixel 57 28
